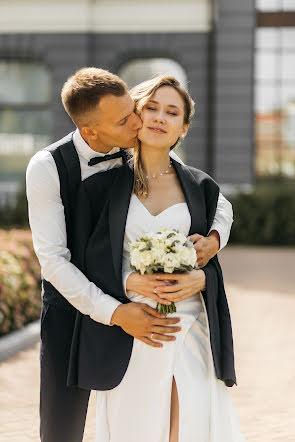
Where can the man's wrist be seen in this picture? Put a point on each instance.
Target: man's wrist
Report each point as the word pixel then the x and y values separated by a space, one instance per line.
pixel 115 319
pixel 214 239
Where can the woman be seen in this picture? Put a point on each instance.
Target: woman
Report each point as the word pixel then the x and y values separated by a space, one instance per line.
pixel 178 392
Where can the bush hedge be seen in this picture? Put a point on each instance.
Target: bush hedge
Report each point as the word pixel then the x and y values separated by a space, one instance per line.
pixel 266 216
pixel 16 217
pixel 20 282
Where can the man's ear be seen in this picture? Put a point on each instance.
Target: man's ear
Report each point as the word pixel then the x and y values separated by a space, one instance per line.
pixel 88 133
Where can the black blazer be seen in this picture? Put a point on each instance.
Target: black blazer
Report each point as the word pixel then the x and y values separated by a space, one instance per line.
pixel 100 353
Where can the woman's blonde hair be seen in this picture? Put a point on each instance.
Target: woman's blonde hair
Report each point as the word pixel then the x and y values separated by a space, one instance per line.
pixel 141 94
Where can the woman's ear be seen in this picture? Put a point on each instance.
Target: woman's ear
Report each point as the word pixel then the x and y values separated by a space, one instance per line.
pixel 184 131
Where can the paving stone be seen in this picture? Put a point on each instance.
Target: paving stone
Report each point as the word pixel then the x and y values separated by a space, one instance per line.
pixel 263 327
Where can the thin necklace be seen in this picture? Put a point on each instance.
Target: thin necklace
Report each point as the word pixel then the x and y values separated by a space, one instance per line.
pixel 162 173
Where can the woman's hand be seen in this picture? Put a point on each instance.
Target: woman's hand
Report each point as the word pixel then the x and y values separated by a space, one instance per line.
pixel 146 284
pixel 185 285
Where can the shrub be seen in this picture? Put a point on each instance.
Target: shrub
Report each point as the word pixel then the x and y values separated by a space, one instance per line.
pixel 20 281
pixel 265 216
pixel 16 216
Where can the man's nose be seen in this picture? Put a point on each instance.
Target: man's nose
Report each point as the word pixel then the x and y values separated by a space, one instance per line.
pixel 137 122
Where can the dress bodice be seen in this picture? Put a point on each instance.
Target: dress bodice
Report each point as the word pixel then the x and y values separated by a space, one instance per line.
pixel 140 220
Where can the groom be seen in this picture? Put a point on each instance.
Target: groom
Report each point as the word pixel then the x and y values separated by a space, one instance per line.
pixel 101 108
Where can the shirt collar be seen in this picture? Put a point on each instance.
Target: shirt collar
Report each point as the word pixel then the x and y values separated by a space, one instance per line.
pixel 85 150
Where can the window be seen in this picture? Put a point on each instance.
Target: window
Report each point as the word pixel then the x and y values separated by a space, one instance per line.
pixel 141 69
pixel 25 120
pixel 275 89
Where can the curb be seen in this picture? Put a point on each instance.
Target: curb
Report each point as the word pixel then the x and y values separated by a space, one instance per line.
pixel 19 340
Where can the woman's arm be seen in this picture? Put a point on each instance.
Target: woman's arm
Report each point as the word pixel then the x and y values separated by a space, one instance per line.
pixel 167 287
pixel 184 285
pixel 146 285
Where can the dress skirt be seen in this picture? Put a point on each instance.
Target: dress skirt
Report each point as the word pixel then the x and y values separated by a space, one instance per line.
pixel 138 409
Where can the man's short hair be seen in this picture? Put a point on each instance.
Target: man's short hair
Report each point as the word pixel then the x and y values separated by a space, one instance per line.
pixel 82 91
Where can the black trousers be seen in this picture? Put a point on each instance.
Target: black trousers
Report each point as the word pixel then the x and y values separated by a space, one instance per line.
pixel 62 409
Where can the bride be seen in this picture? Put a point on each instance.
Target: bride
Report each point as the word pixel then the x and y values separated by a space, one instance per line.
pixel 175 391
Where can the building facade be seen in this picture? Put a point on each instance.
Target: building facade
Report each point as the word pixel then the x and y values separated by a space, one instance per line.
pixel 211 42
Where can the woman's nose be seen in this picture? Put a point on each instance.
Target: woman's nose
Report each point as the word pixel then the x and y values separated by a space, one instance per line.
pixel 159 118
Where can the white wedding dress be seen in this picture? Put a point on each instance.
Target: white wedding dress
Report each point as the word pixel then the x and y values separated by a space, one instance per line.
pixel 138 409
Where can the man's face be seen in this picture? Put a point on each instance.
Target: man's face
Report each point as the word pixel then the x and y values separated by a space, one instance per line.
pixel 113 124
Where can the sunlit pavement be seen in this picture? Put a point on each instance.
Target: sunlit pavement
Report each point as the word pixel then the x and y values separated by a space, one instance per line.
pixel 260 286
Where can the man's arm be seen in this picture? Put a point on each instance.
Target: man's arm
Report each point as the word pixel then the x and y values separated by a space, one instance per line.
pixel 218 236
pixel 47 222
pixel 222 221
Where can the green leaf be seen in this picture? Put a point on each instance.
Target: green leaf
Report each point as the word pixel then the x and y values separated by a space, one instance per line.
pixel 171 234
pixel 148 246
pixel 149 270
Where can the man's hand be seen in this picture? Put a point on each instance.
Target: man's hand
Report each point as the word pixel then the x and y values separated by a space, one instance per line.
pixel 206 247
pixel 145 285
pixel 185 285
pixel 140 320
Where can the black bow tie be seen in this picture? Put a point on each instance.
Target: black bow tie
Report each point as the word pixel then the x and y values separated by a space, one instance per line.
pixel 107 157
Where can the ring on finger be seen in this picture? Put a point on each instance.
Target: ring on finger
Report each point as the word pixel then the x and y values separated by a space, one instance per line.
pixel 155 291
pixel 152 335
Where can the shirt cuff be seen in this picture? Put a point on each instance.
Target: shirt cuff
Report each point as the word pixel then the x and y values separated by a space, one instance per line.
pixel 124 280
pixel 103 311
pixel 223 235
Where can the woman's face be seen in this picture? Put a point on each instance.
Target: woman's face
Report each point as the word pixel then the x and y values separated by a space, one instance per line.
pixel 162 118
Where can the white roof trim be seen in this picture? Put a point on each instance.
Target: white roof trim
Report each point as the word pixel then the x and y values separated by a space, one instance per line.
pixel 104 16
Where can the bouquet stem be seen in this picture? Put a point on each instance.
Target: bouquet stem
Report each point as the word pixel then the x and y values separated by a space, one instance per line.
pixel 163 308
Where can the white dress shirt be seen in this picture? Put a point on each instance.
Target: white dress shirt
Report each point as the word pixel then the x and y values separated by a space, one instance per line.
pixel 47 222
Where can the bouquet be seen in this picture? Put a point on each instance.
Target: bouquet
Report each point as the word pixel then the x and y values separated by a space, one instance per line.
pixel 166 251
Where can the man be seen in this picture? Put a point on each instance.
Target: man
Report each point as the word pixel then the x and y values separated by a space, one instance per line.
pixel 101 108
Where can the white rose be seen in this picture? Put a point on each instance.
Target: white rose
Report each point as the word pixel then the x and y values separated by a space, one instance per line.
pixel 171 260
pixel 188 256
pixel 147 257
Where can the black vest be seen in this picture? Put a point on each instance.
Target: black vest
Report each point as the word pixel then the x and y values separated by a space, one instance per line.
pixel 69 172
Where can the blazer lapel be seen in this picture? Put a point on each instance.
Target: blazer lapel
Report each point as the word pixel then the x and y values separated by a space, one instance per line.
pixel 194 198
pixel 118 210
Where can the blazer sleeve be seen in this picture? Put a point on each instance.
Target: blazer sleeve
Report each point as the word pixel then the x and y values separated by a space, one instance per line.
pixel 220 323
pixel 215 298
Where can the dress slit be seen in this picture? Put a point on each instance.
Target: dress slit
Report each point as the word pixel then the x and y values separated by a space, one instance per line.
pixel 178 406
pixel 192 381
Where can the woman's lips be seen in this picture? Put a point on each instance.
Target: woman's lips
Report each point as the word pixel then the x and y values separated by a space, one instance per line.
pixel 157 130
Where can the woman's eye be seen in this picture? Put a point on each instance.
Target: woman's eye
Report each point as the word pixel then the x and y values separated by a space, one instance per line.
pixel 151 108
pixel 172 113
pixel 123 122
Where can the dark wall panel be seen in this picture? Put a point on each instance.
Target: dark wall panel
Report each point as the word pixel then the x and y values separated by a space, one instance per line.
pixel 233 91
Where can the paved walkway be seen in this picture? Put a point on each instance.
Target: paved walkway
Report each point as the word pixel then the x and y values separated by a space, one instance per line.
pixel 260 285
